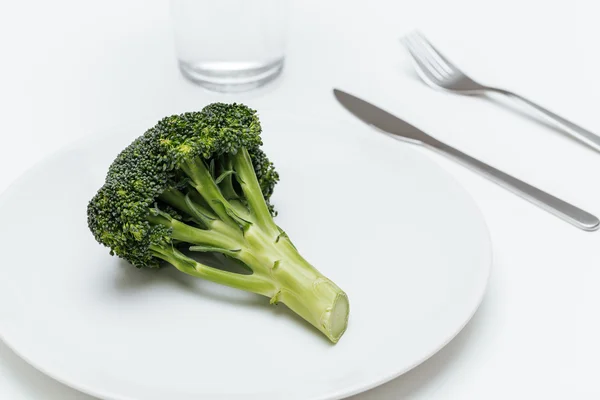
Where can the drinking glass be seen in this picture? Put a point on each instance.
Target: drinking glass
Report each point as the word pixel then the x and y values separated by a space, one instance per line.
pixel 230 45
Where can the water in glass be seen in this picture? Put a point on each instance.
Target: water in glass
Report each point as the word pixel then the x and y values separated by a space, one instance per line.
pixel 230 45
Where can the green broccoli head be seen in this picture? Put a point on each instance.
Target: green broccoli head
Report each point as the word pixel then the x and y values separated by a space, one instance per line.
pixel 152 164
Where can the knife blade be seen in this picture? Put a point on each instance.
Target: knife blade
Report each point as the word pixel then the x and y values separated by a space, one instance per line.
pixel 379 118
pixel 389 123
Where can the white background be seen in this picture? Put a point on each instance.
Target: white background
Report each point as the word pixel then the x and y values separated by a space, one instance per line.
pixel 70 69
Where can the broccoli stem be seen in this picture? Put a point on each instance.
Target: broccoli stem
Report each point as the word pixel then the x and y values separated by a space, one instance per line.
pixel 250 283
pixel 279 273
pixel 229 191
pixel 246 176
pixel 278 270
pixel 208 189
pixel 299 285
pixel 219 237
pixel 226 184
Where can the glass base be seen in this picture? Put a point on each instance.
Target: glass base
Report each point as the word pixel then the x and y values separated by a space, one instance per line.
pixel 231 76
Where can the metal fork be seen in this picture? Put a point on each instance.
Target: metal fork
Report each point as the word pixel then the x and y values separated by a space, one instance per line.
pixel 437 71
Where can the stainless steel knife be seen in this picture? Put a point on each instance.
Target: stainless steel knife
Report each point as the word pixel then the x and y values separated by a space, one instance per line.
pixel 393 125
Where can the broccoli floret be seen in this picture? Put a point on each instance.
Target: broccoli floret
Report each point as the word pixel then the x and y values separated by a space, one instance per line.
pixel 199 182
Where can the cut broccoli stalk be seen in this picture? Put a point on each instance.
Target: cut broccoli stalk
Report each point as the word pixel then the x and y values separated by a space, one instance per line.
pixel 199 183
pixel 278 270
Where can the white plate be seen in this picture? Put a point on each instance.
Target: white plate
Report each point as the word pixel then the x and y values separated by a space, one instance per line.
pixel 406 243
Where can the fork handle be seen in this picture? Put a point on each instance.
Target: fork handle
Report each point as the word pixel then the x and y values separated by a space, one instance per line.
pixel 568 212
pixel 567 126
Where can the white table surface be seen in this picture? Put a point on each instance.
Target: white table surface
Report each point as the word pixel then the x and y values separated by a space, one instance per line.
pixel 71 68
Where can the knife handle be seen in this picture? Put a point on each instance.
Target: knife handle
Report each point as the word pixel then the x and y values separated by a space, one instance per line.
pixel 568 212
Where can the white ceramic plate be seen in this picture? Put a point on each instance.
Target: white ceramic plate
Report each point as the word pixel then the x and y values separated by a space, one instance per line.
pixel 406 243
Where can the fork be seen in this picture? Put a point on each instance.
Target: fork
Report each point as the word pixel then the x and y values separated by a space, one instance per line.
pixel 437 71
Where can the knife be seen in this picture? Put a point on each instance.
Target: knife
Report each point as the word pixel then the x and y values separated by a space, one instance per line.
pixel 388 123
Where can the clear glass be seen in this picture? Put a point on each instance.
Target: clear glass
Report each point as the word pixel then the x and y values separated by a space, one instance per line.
pixel 230 45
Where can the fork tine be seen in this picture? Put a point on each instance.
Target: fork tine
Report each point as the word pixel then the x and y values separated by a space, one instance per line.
pixel 426 71
pixel 430 56
pixel 449 66
pixel 425 58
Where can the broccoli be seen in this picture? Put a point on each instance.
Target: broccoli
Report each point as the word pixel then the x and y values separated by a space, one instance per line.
pixel 199 182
